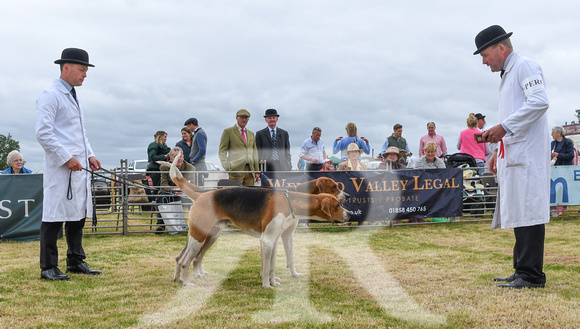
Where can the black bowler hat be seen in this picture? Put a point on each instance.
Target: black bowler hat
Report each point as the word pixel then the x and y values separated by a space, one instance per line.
pixel 75 56
pixel 271 113
pixel 490 36
pixel 191 121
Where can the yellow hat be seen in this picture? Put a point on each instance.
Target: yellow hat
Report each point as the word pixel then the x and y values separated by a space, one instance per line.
pixel 352 147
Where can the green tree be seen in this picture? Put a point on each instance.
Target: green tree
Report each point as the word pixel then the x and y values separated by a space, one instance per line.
pixel 7 144
pixel 578 115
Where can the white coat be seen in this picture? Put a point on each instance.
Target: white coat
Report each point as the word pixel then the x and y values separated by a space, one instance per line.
pixel 524 172
pixel 60 130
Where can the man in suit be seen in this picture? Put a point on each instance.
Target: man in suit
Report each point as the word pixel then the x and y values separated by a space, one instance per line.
pixel 274 144
pixel 238 151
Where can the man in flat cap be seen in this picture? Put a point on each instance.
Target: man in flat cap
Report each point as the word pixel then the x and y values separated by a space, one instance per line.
pixel 238 151
pixel 273 144
pixel 198 148
pixel 60 130
pixel 522 159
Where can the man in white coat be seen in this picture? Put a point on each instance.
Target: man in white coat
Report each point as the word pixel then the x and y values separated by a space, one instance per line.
pixel 522 158
pixel 60 130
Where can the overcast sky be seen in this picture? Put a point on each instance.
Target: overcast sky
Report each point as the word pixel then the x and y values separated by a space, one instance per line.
pixel 319 63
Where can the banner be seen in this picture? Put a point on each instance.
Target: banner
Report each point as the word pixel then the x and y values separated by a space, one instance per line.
pixel 565 186
pixel 20 207
pixel 380 195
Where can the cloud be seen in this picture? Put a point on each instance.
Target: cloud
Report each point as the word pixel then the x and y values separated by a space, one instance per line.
pixel 320 63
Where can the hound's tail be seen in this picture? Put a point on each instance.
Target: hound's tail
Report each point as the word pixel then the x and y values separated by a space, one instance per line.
pixel 188 188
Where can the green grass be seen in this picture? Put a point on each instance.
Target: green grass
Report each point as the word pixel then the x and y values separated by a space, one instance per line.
pixel 421 276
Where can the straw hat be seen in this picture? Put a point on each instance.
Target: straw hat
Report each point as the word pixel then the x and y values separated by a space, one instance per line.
pixel 393 150
pixel 351 148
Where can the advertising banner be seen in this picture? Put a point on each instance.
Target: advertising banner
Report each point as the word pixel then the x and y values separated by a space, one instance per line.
pixel 20 207
pixel 565 186
pixel 380 195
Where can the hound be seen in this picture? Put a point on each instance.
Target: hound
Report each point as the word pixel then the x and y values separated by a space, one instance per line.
pixel 260 212
pixel 316 186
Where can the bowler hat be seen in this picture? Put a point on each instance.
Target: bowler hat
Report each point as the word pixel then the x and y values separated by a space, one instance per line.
pixel 352 147
pixel 192 121
pixel 243 113
pixel 479 116
pixel 75 56
pixel 271 113
pixel 490 36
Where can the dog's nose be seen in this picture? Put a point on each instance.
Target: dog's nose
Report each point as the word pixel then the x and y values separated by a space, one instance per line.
pixel 346 196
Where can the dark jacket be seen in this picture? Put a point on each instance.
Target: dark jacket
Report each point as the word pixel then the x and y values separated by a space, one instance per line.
pixel 565 151
pixel 264 145
pixel 156 152
pixel 186 149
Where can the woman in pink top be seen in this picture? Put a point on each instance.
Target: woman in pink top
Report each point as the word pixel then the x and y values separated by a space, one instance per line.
pixel 468 144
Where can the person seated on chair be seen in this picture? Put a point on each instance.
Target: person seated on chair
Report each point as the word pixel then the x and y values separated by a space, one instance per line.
pixel 167 185
pixel 353 152
pixel 390 158
pixel 429 160
pixel 327 165
pixel 16 164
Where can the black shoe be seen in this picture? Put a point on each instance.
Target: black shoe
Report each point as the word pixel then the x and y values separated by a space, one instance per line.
pixel 508 279
pixel 520 283
pixel 54 274
pixel 82 268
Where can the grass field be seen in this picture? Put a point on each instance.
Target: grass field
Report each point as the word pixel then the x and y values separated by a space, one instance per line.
pixel 422 276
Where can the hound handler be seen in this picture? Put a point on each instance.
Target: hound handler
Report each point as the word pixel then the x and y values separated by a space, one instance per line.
pixel 60 130
pixel 522 159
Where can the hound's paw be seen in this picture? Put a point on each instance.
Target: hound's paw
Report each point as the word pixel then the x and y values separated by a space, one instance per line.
pixel 295 275
pixel 199 275
pixel 274 283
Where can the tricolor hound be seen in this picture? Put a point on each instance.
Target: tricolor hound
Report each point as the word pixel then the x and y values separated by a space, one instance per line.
pixel 261 212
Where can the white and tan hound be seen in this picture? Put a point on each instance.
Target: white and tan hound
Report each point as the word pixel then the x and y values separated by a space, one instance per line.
pixel 261 212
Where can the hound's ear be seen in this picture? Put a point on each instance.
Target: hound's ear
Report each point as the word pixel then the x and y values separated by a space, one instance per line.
pixel 326 207
pixel 319 186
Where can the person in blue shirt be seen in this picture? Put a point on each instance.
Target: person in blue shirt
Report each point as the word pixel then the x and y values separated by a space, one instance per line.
pixel 341 144
pixel 15 164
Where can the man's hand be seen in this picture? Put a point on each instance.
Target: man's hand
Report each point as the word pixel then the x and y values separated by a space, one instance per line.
pixel 494 134
pixel 493 164
pixel 339 138
pixel 73 164
pixel 94 163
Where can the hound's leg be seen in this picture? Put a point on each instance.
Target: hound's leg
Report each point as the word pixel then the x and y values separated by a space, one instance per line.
pixel 288 241
pixel 267 246
pixel 192 249
pixel 177 275
pixel 273 263
pixel 198 271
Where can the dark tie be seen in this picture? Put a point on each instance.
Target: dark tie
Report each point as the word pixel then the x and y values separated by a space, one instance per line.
pixel 74 94
pixel 501 74
pixel 274 147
